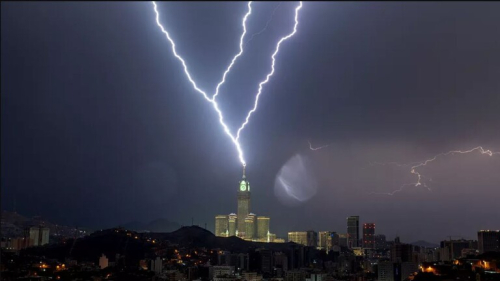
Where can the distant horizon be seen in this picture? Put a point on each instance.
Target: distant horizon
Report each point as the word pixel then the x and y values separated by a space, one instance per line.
pixel 93 228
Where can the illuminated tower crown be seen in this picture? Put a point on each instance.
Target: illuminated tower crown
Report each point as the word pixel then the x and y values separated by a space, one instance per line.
pixel 244 184
pixel 243 203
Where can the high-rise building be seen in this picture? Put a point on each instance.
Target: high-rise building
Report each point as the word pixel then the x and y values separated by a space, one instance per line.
pixel 325 240
pixel 369 235
pixel 353 231
pixel 306 238
pixel 401 252
pixel 380 242
pixel 221 225
pixel 334 242
pixel 488 241
pixel 250 223
pixel 262 227
pixel 343 239
pixel 232 224
pixel 453 248
pixel 37 235
pixel 312 238
pixel 243 224
pixel 243 203
pixel 299 237
pixel 157 265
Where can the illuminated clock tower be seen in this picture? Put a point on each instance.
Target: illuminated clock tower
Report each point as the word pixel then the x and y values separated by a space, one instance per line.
pixel 243 203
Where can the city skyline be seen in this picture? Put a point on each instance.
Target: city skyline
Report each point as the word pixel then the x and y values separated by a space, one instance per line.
pixel 100 126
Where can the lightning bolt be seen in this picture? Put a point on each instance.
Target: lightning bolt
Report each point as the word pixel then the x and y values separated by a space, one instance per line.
pixel 237 55
pixel 265 27
pixel 210 100
pixel 413 169
pixel 273 58
pixel 233 61
pixel 317 148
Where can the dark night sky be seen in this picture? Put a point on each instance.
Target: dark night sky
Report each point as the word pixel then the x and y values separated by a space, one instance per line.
pixel 100 125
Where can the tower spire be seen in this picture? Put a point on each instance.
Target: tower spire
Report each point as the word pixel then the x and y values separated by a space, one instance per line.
pixel 244 166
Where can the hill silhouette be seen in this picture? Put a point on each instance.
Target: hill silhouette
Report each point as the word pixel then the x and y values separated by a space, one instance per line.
pixel 157 225
pixel 195 236
pixel 119 241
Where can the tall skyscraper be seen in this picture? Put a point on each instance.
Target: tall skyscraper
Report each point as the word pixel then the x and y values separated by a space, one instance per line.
pixel 232 224
pixel 262 227
pixel 488 241
pixel 244 224
pixel 221 225
pixel 369 235
pixel 243 203
pixel 353 231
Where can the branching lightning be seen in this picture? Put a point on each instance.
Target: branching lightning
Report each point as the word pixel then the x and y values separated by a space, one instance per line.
pixel 233 61
pixel 273 58
pixel 211 100
pixel 413 169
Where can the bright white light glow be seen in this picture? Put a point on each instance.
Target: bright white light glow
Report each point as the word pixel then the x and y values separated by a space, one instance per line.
pixel 295 182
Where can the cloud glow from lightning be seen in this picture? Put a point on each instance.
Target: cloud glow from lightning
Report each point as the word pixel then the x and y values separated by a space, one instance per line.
pixel 234 139
pixel 413 169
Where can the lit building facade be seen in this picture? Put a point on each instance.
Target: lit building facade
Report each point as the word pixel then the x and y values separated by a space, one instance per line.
pixel 250 226
pixel 262 227
pixel 353 231
pixel 299 237
pixel 222 225
pixel 325 240
pixel 369 235
pixel 37 236
pixel 232 224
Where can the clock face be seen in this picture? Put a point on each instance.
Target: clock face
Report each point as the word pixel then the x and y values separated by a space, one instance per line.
pixel 243 186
